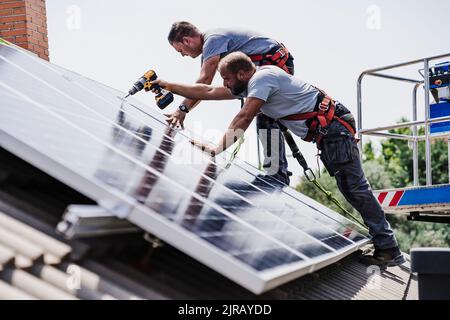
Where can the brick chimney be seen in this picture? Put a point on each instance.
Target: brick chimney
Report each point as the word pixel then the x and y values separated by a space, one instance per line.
pixel 24 23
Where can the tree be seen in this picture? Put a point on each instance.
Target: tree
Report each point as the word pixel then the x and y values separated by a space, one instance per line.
pixel 397 156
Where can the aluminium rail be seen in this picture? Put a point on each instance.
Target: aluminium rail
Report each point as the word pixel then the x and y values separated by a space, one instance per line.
pixel 414 138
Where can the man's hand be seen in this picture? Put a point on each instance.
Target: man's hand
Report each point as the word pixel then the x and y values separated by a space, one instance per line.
pixel 160 82
pixel 176 119
pixel 211 150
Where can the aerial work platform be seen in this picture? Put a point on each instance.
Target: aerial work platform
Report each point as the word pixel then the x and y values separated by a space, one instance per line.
pixel 427 199
pixel 428 202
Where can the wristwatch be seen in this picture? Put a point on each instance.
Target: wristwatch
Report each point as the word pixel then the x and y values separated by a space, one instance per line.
pixel 184 108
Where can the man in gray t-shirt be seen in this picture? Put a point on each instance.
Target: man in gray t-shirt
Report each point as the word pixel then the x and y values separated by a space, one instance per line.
pixel 284 95
pixel 215 44
pixel 280 96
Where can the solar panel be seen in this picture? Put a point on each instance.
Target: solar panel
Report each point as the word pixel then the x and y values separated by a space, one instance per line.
pixel 252 229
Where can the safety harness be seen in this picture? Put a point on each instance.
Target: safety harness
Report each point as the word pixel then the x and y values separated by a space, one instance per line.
pixel 277 58
pixel 321 119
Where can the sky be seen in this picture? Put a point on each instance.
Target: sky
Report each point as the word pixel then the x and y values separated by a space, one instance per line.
pixel 115 42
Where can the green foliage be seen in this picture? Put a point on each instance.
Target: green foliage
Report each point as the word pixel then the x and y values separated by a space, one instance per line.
pixel 397 156
pixel 419 234
pixel 393 168
pixel 378 177
pixel 368 153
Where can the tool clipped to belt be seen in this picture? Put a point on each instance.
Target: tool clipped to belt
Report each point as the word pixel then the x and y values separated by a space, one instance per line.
pixel 311 177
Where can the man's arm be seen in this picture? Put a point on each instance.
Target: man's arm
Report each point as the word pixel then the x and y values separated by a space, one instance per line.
pixel 196 91
pixel 237 127
pixel 207 74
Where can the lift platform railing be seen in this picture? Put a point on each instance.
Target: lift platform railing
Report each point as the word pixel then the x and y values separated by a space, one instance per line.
pixel 415 137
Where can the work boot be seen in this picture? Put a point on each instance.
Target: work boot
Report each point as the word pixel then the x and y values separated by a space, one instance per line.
pixel 384 258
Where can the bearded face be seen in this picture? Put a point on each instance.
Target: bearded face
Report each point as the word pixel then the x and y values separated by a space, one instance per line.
pixel 238 87
pixel 232 82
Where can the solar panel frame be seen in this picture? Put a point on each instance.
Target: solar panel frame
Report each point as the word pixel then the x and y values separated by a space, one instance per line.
pixel 245 166
pixel 139 215
pixel 125 206
pixel 287 189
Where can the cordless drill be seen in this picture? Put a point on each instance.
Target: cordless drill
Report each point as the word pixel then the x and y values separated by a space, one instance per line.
pixel 163 98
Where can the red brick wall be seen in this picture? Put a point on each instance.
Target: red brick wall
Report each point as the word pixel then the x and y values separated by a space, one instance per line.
pixel 25 23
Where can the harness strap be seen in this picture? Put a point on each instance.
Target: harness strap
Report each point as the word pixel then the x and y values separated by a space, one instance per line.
pixel 320 119
pixel 279 58
pixel 346 125
pixel 256 57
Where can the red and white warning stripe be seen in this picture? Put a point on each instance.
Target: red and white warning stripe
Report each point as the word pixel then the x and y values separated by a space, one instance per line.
pixel 389 199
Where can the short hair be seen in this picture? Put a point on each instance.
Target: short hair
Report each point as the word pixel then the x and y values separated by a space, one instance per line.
pixel 237 61
pixel 180 30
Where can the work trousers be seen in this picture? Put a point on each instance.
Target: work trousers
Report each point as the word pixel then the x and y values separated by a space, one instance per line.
pixel 340 155
pixel 269 133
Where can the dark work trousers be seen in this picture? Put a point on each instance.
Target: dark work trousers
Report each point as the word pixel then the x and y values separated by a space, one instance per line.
pixel 340 155
pixel 275 161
